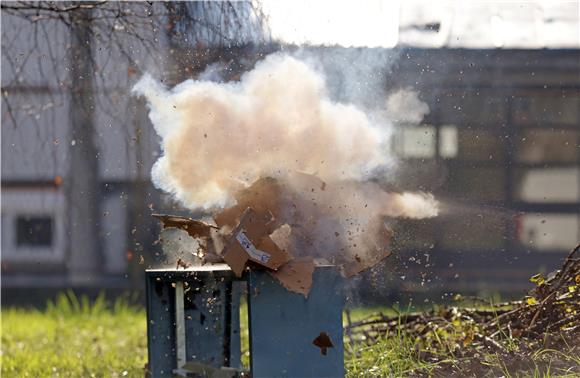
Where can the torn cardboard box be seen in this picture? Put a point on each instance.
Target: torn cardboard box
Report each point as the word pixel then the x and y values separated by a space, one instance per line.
pixel 283 226
pixel 250 241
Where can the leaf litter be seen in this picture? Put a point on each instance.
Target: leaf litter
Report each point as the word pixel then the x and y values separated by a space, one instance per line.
pixel 540 331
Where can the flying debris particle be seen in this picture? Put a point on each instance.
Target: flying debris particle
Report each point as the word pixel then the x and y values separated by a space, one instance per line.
pixel 182 264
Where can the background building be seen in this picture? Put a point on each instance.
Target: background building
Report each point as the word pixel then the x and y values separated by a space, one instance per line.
pixel 499 144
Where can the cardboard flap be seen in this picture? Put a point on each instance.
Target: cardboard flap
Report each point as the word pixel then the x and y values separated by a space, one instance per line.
pixel 265 197
pixel 195 228
pixel 360 264
pixel 296 275
pixel 250 241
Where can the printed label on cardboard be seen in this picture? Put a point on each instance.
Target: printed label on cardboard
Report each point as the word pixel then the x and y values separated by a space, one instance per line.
pixel 254 253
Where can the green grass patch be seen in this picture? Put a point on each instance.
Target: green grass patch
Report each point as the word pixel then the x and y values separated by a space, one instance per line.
pixel 392 356
pixel 74 338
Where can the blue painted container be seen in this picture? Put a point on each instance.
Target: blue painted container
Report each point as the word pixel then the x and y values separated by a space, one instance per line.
pixel 193 317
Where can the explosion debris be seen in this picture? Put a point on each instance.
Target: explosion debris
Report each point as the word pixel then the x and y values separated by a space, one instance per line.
pixel 195 228
pixel 287 173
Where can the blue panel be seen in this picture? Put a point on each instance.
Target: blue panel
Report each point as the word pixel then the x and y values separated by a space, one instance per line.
pixel 283 326
pixel 160 327
pixel 211 315
pixel 205 320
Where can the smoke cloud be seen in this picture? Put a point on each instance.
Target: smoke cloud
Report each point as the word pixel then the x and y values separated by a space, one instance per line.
pixel 218 138
pixel 405 106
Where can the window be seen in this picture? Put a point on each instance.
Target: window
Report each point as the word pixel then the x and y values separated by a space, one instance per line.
pixel 549 232
pixel 415 142
pixel 33 226
pixel 538 185
pixel 448 144
pixel 34 231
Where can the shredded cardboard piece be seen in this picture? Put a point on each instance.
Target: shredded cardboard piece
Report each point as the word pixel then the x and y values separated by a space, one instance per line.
pixel 281 236
pixel 195 228
pixel 250 241
pixel 182 264
pixel 265 199
pixel 296 275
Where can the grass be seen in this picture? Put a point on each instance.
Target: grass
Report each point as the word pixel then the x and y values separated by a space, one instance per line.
pixel 75 338
pixel 396 356
pixel 400 355
pixel 392 356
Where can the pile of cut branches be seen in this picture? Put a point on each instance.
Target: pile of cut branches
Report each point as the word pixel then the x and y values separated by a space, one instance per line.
pixel 515 333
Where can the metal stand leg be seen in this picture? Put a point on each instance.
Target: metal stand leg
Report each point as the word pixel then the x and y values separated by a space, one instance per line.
pixel 179 325
pixel 160 329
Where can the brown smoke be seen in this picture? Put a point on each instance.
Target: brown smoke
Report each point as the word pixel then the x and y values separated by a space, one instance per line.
pixel 279 122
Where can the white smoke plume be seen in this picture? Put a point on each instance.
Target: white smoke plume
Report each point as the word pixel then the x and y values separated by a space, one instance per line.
pixel 404 105
pixel 411 205
pixel 218 138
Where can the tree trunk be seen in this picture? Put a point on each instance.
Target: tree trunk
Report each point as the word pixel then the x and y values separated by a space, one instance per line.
pixel 82 184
